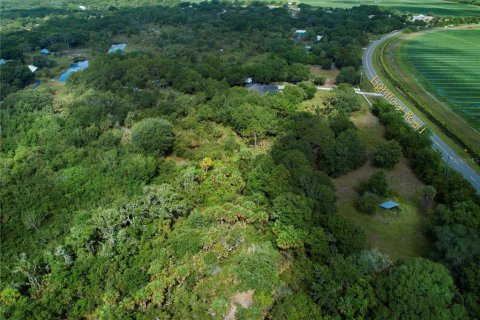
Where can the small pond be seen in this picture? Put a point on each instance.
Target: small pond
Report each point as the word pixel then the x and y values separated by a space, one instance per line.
pixel 74 67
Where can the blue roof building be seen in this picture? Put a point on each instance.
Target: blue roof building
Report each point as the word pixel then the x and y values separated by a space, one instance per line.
pixel 389 205
pixel 44 51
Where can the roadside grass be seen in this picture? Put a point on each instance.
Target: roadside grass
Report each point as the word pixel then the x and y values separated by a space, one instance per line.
pixel 454 144
pixel 399 234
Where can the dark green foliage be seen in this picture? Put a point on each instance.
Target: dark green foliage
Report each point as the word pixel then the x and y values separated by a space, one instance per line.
pixel 348 237
pixel 376 184
pixel 399 298
pixel 348 75
pixel 456 245
pixel 296 307
pixel 368 202
pixel 388 154
pixel 346 153
pixel 293 210
pixel 15 76
pixel 153 135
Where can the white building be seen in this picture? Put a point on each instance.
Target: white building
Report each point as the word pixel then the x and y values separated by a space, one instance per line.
pixel 32 68
pixel 422 17
pixel 82 7
pixel 319 37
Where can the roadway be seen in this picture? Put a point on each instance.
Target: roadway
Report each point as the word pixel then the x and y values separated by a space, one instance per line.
pixel 448 155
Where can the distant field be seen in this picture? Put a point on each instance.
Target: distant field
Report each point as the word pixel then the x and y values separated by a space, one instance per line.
pixel 447 64
pixel 438 7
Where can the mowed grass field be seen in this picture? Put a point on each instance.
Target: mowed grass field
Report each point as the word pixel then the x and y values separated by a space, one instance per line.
pixel 447 64
pixel 437 7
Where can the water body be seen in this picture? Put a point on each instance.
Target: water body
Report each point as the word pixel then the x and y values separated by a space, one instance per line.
pixel 74 67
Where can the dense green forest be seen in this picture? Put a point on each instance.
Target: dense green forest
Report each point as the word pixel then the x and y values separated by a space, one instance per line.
pixel 153 185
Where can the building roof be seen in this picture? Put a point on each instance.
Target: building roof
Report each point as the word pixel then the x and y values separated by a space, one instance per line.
pixel 117 48
pixel 44 51
pixel 262 88
pixel 301 31
pixel 3 61
pixel 389 205
pixel 32 68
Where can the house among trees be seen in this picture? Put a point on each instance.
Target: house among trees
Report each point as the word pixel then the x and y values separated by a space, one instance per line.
pixel 422 17
pixel 319 37
pixel 45 51
pixel 300 32
pixel 32 68
pixel 3 61
pixel 120 47
pixel 262 88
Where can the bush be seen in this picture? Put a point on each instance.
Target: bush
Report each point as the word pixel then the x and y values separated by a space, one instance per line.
pixel 348 75
pixel 368 203
pixel 376 184
pixel 309 89
pixel 319 80
pixel 153 135
pixel 388 154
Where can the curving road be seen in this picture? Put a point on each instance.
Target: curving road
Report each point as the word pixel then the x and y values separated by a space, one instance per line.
pixel 448 155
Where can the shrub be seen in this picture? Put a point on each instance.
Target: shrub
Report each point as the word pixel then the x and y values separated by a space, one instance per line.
pixel 376 184
pixel 153 135
pixel 368 203
pixel 319 80
pixel 388 154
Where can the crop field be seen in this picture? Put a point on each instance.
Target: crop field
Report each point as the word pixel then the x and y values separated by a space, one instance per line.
pixel 447 64
pixel 438 7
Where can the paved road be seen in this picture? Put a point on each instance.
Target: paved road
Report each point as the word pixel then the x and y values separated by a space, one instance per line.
pixel 448 155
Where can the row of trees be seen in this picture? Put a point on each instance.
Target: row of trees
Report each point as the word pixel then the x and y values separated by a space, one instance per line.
pixel 453 222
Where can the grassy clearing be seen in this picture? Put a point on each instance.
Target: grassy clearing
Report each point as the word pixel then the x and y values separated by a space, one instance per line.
pixel 398 234
pixel 437 117
pixel 330 75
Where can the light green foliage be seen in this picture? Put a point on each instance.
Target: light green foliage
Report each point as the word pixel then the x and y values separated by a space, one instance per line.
pixel 344 99
pixel 288 237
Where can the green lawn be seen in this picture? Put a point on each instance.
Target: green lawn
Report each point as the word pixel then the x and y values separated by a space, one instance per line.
pixel 397 233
